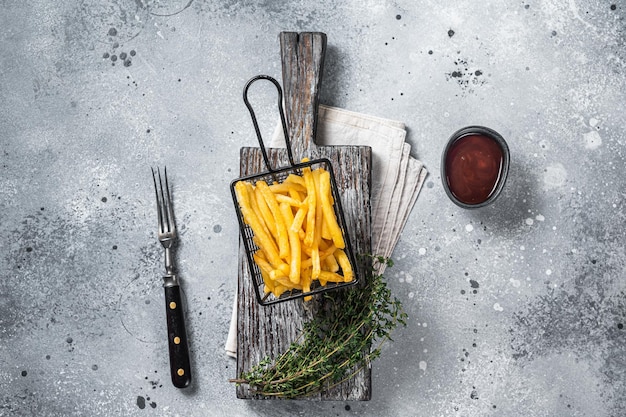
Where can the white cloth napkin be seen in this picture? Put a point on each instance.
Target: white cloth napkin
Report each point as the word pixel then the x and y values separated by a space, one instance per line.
pixel 397 177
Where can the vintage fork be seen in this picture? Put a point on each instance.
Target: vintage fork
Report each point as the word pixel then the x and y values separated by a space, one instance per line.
pixel 176 334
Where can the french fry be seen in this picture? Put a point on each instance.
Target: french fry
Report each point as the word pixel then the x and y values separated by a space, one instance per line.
pixel 263 253
pixel 298 219
pixel 276 274
pixel 322 225
pixel 326 231
pixel 269 283
pixel 311 203
pixel 294 244
pixel 284 268
pixel 316 266
pixel 293 187
pixel 264 266
pixel 331 263
pixel 324 254
pixel 284 188
pixel 281 228
pixel 329 213
pixel 279 290
pixel 331 276
pixel 319 213
pixel 296 195
pixel 254 206
pixel 264 212
pixel 294 202
pixel 295 179
pixel 279 278
pixel 271 276
pixel 305 278
pixel 344 263
pixel 286 282
pixel 259 245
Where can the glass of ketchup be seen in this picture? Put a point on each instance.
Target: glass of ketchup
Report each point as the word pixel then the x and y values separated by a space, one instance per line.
pixel 474 166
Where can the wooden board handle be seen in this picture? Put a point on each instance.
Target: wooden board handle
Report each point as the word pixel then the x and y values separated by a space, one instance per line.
pixel 302 56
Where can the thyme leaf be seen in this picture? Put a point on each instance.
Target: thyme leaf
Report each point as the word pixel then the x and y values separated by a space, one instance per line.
pixel 339 341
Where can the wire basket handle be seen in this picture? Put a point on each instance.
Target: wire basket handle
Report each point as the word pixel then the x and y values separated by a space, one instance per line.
pixel 256 124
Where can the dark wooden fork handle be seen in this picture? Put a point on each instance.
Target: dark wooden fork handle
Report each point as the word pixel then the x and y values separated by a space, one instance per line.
pixel 180 366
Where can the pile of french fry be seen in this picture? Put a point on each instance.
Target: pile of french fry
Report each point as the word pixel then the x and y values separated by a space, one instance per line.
pixel 296 230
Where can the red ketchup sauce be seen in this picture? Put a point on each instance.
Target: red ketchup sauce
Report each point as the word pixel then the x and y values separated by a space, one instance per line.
pixel 473 167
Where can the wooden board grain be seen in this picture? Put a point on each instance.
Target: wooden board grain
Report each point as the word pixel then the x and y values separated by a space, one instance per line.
pixel 267 331
pixel 302 57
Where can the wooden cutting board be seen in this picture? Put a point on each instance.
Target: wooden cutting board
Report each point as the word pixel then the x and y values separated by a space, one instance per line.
pixel 269 330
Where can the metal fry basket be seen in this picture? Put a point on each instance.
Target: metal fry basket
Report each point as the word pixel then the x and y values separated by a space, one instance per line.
pixel 278 176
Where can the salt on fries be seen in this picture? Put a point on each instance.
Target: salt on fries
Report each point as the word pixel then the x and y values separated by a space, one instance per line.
pixel 296 231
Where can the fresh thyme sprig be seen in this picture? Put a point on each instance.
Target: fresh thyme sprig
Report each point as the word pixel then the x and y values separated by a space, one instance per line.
pixel 341 339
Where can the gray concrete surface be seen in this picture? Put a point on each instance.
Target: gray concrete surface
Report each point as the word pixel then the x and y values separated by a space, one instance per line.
pixel 516 309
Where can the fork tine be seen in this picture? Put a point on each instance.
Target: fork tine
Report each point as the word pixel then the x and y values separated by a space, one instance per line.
pixel 162 210
pixel 171 224
pixel 158 201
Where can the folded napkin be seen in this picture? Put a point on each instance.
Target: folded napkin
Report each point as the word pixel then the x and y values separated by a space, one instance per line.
pixel 397 177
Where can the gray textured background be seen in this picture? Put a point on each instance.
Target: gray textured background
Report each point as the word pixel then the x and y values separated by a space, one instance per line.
pixel 516 309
